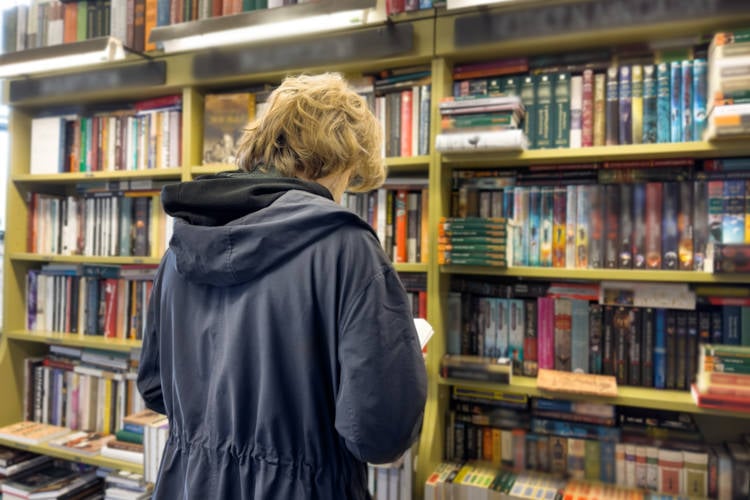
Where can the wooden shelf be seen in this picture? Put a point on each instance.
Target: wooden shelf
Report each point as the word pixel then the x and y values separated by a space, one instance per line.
pixel 97 460
pixel 80 259
pixel 556 274
pixel 74 340
pixel 161 173
pixel 411 267
pixel 597 154
pixel 642 397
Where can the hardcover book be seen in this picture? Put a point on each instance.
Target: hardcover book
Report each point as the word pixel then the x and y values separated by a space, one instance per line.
pixel 669 228
pixel 653 225
pixel 562 111
pixel 663 103
pixel 685 226
pixel 686 94
pixel 224 120
pixel 625 255
pixel 600 107
pixel 625 127
pixel 650 113
pixel 636 89
pixel 612 112
pixel 675 102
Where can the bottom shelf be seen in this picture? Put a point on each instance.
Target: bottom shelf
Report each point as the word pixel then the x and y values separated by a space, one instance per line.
pixel 97 460
pixel 642 397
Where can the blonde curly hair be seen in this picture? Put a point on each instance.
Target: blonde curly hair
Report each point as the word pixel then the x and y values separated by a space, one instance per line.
pixel 315 126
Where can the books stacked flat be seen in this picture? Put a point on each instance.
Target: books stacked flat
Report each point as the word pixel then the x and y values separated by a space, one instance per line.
pixel 473 241
pixel 126 445
pixel 14 463
pixel 52 482
pixel 729 85
pixel 121 485
pixel 486 369
pixel 32 432
pixel 723 380
pixel 481 123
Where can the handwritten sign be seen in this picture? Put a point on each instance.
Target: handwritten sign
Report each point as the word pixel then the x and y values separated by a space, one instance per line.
pixel 577 383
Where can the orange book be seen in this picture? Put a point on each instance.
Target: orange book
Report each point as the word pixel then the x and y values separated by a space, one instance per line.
pixel 70 22
pixel 150 23
pixel 424 244
pixel 399 241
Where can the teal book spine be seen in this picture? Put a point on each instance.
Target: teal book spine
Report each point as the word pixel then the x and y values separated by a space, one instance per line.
pixel 612 120
pixel 625 127
pixel 535 209
pixel 529 101
pixel 675 101
pixel 544 105
pixel 650 113
pixel 686 94
pixel 663 92
pixel 700 93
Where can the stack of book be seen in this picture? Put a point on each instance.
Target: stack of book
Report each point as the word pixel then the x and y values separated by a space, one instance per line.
pixel 14 463
pixel 729 257
pixel 130 450
pixel 474 241
pixel 52 482
pixel 481 123
pixel 484 368
pixel 723 380
pixel 121 485
pixel 729 85
pixel 27 432
pixel 155 433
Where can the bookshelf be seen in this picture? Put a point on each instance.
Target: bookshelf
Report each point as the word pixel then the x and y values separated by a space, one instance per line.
pixel 426 48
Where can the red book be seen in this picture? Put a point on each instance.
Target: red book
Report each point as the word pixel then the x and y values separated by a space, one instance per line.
pixel 110 307
pixel 399 242
pixel 728 403
pixel 587 109
pixel 546 332
pixel 395 6
pixel 653 224
pixel 166 101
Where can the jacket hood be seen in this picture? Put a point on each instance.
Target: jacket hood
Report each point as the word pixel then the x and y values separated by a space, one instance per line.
pixel 234 226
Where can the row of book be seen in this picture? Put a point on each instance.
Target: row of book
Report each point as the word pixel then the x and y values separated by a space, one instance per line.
pixel 559 327
pixel 399 6
pixel 108 301
pixel 664 220
pixel 652 450
pixel 398 214
pixel 605 103
pixel 416 288
pixel 472 241
pixel 729 85
pixel 107 224
pixel 392 481
pixel 144 135
pixel 82 393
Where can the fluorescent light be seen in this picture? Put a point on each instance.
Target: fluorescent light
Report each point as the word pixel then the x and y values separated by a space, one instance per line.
pixel 462 4
pixel 63 56
pixel 267 24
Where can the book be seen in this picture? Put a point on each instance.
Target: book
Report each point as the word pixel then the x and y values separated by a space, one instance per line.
pixel 476 368
pixel 85 443
pixel 32 432
pixel 225 117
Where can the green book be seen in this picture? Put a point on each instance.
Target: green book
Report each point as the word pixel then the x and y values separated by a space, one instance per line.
pixel 129 437
pixel 561 113
pixel 544 105
pixel 81 18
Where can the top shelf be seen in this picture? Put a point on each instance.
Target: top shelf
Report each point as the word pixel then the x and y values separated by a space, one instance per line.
pixel 697 149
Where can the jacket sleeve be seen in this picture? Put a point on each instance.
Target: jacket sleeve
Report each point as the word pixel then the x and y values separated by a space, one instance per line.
pixel 149 375
pixel 383 383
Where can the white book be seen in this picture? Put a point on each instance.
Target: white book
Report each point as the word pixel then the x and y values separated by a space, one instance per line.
pixel 503 140
pixel 576 111
pixel 47 145
pixel 125 455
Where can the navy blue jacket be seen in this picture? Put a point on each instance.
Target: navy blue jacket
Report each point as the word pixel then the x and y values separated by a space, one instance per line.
pixel 280 344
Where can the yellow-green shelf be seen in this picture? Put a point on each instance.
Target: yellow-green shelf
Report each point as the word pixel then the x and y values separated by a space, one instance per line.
pixel 74 340
pixel 642 397
pixel 96 460
pixel 598 154
pixel 80 259
pixel 162 173
pixel 556 273
pixel 395 164
pixel 411 268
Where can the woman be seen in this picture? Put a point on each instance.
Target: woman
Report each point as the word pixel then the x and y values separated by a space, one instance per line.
pixel 279 339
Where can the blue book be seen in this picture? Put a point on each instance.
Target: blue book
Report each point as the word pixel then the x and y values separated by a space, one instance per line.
pixel 650 114
pixel 700 97
pixel 732 330
pixel 733 216
pixel 660 348
pixel 508 203
pixel 639 226
pixel 686 94
pixel 425 4
pixel 534 219
pixel 516 322
pixel 163 10
pixel 669 232
pixel 503 327
pixel 607 468
pixel 625 126
pixel 717 326
pixel 579 360
pixel 675 101
pixel 663 120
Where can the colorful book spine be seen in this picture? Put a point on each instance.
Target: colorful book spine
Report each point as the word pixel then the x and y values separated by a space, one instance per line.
pixel 546 332
pixel 675 101
pixel 636 89
pixel 559 234
pixel 502 336
pixel 587 107
pixel 528 97
pixel 612 207
pixel 653 225
pixel 622 324
pixel 595 339
pixel 580 336
pixel 582 226
pixel 546 225
pixel 685 226
pixel 612 116
pixel 669 233
pixel 625 127
pixel 561 114
pixel 597 225
pixel 544 104
pixel 571 207
pixel 663 100
pixel 600 107
pixel 647 347
pixel 563 333
pixel 625 256
pixel 534 223
pixel 576 111
pixel 608 336
pixel 686 94
pixel 530 356
pixel 715 210
pixel 650 115
pixel 733 216
pixel 700 97
pixel 516 327
pixel 639 226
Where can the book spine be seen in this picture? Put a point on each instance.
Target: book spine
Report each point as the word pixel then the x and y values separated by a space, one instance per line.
pixel 625 127
pixel 635 344
pixel 534 224
pixel 625 256
pixel 600 109
pixel 587 106
pixel 733 212
pixel 660 348
pixel 559 234
pixel 685 226
pixel 681 333
pixel 608 338
pixel 669 230
pixel 544 103
pixel 516 327
pixel 650 115
pixel 563 325
pixel 611 201
pixel 530 359
pixel 686 94
pixel 596 213
pixel 528 98
pixel 663 100
pixel 647 347
pixel 691 355
pixel 595 339
pixel 622 322
pixel 571 207
pixel 700 97
pixel 562 111
pixel 636 89
pixel 612 117
pixel 639 226
pixel 671 349
pixel 502 341
pixel 580 336
pixel 546 225
pixel 653 225
pixel 675 101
